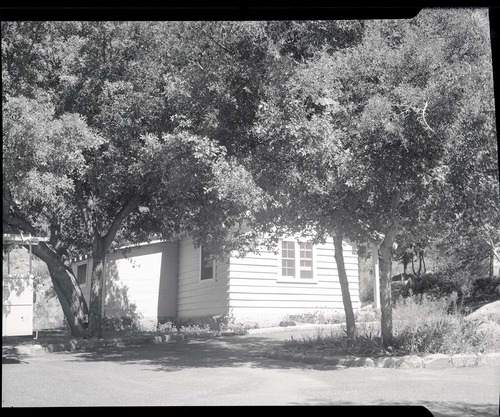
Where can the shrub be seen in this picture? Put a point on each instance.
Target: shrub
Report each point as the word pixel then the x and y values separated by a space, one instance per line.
pixel 316 317
pixel 204 326
pixel 422 325
pixel 119 324
pixel 426 325
pixel 367 343
pixel 437 284
pixel 485 289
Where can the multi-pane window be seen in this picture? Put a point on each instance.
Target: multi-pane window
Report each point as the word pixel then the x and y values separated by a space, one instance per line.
pixel 207 266
pixel 81 274
pixel 297 260
pixel 306 260
pixel 288 259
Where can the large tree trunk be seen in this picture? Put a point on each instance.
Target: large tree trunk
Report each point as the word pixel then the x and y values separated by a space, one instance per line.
pixel 385 258
pixel 67 289
pixel 96 288
pixel 344 286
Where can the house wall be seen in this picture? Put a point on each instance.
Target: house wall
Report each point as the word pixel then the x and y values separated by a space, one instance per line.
pixel 167 296
pixel 197 298
pixel 138 281
pixel 257 295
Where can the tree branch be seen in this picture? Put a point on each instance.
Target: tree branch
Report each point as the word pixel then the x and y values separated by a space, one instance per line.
pixel 220 45
pixel 423 118
pixel 131 205
pixel 19 222
pixel 128 208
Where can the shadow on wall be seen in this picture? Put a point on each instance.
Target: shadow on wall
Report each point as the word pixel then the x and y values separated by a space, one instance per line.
pixel 117 303
pixel 47 311
pixel 17 287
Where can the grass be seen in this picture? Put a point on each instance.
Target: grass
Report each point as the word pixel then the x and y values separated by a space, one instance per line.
pixel 420 326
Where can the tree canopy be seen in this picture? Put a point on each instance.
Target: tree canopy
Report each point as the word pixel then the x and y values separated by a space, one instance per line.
pixel 378 131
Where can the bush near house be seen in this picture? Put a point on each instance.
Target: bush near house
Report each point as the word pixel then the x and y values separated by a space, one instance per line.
pixel 472 291
pixel 422 325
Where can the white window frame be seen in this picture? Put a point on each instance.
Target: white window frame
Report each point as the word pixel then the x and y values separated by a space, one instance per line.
pixel 80 263
pixel 200 264
pixel 296 278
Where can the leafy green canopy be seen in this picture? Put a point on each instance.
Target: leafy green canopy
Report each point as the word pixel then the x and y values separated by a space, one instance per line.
pixel 394 113
pixel 101 138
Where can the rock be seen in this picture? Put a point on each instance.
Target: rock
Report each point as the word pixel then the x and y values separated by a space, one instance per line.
pixel 437 361
pixel 465 360
pixel 412 361
pixel 488 312
pixel 490 328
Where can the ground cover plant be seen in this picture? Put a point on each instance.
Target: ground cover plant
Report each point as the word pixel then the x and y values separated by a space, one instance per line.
pixel 422 325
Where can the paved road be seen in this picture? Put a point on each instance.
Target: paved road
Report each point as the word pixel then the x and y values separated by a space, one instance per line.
pixel 232 371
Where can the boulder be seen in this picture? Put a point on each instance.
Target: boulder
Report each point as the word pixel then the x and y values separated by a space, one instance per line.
pixel 491 328
pixel 488 312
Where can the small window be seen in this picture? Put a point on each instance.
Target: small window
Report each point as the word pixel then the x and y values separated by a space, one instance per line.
pixel 297 261
pixel 207 266
pixel 81 274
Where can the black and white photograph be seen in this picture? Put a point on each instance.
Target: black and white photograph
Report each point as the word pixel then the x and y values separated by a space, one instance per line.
pixel 240 207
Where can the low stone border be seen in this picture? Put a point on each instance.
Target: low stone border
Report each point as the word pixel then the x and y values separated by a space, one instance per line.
pixel 435 361
pixel 82 345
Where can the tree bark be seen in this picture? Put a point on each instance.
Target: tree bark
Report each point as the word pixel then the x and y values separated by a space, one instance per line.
pixel 344 286
pixel 99 246
pixel 405 265
pixel 491 263
pixel 67 289
pixel 385 258
pixel 96 288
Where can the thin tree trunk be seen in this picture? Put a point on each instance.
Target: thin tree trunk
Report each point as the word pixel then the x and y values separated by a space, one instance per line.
pixel 405 266
pixel 491 261
pixel 385 254
pixel 344 286
pixel 99 246
pixel 96 288
pixel 67 290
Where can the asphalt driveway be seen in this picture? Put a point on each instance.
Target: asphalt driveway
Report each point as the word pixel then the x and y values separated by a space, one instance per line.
pixel 235 371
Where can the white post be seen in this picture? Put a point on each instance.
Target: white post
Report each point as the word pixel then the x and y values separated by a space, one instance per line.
pixel 376 277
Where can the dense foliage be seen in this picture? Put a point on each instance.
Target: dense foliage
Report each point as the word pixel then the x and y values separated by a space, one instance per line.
pixel 381 132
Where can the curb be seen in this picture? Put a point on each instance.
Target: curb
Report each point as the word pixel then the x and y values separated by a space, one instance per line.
pixel 434 361
pixel 83 345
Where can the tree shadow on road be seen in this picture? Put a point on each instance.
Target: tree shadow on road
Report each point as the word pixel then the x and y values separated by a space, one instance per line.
pixel 11 359
pixel 218 352
pixel 435 408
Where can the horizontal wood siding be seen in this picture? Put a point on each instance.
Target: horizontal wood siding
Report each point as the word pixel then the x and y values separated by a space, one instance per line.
pixel 200 298
pixel 256 294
